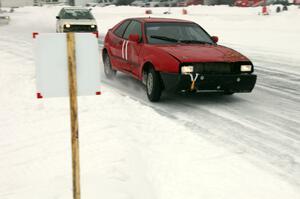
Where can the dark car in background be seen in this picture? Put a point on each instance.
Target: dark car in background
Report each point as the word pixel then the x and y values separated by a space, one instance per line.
pixel 189 2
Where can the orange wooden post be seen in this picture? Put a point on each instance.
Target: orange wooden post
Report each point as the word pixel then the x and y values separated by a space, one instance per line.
pixel 74 114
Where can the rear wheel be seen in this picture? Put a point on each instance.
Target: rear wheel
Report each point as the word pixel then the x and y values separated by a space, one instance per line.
pixel 108 71
pixel 153 85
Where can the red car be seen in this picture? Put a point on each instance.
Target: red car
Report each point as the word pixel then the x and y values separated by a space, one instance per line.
pixel 248 3
pixel 176 55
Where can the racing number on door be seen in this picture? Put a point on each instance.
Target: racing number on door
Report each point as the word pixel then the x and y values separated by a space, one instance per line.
pixel 130 49
pixel 130 55
pixel 125 50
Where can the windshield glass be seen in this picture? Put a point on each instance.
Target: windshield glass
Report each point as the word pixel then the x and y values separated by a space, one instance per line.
pixel 77 14
pixel 174 33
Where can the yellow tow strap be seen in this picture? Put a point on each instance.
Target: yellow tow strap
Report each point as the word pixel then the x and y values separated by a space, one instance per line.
pixel 193 80
pixel 193 87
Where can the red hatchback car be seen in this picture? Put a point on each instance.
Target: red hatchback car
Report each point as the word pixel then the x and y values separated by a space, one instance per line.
pixel 176 55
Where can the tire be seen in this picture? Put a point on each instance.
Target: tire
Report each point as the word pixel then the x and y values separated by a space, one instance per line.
pixel 108 71
pixel 153 85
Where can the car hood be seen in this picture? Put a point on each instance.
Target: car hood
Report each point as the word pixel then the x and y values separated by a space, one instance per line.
pixel 79 21
pixel 203 53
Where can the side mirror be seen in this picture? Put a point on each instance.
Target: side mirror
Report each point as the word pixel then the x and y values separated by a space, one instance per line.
pixel 134 38
pixel 57 17
pixel 215 39
pixel 90 9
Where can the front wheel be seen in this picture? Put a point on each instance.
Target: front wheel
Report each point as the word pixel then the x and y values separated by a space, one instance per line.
pixel 108 71
pixel 153 85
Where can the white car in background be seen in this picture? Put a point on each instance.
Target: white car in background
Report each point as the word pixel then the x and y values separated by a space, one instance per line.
pixel 72 19
pixel 4 19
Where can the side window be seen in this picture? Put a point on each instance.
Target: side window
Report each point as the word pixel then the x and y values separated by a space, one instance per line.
pixel 120 30
pixel 133 28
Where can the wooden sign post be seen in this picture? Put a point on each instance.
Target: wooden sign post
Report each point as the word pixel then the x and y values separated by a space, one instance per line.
pixel 74 114
pixel 67 65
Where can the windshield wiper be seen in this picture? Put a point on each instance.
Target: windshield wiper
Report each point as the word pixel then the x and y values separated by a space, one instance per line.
pixel 194 41
pixel 179 41
pixel 164 38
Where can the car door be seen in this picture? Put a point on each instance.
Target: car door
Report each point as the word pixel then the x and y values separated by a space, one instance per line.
pixel 117 45
pixel 132 49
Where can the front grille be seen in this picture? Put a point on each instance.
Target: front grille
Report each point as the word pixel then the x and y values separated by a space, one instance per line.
pixel 80 28
pixel 216 67
pixel 211 68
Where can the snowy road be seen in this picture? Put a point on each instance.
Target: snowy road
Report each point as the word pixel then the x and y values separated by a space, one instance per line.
pixel 263 124
pixel 205 146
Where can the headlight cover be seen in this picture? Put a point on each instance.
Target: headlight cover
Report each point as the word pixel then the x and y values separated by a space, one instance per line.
pixel 187 69
pixel 246 68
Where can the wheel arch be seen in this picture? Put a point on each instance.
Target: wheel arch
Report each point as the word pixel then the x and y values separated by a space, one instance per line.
pixel 145 69
pixel 104 52
pixel 147 65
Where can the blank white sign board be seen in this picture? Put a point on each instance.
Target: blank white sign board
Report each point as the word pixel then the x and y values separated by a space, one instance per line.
pixel 52 64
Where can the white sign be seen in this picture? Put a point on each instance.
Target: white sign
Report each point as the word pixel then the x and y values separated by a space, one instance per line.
pixel 52 64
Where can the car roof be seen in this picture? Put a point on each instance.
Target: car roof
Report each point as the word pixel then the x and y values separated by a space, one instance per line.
pixel 149 19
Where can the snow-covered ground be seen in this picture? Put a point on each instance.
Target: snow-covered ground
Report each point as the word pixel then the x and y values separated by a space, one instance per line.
pixel 209 146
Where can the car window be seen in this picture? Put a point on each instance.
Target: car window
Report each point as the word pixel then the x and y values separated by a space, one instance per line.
pixel 134 27
pixel 120 30
pixel 77 14
pixel 195 33
pixel 165 33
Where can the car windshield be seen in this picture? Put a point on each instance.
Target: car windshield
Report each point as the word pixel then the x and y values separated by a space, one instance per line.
pixel 77 14
pixel 175 32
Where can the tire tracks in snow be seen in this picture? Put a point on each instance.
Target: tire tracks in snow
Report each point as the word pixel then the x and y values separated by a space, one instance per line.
pixel 256 125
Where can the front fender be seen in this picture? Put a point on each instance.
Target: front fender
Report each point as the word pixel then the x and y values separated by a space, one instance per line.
pixel 161 60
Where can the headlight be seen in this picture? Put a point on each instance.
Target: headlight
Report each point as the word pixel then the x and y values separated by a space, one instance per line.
pixel 6 17
pixel 67 25
pixel 93 26
pixel 187 69
pixel 246 68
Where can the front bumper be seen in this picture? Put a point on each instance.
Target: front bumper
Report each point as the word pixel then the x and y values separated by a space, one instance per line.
pixel 235 83
pixel 80 28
